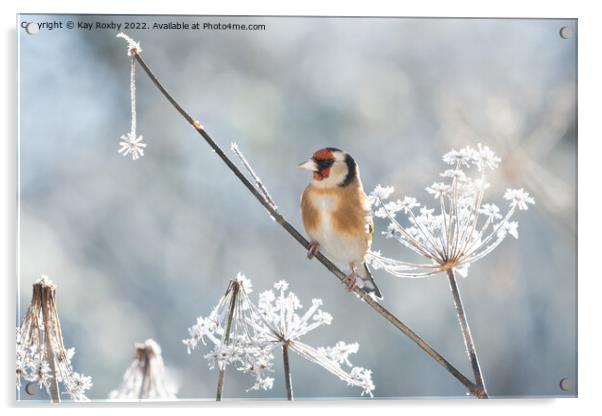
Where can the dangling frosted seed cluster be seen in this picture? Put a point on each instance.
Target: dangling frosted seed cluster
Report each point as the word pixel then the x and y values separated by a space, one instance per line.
pixel 130 143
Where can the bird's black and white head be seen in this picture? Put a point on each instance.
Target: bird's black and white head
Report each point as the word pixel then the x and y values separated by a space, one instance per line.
pixel 331 167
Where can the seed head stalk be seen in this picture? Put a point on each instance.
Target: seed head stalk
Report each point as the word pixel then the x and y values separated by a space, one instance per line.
pixel 287 372
pixel 145 385
pixel 468 341
pixel 234 286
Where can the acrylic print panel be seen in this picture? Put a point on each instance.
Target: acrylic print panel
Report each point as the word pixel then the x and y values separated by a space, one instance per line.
pixel 149 269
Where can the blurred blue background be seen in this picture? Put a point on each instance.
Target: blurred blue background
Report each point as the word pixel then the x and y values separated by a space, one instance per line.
pixel 140 249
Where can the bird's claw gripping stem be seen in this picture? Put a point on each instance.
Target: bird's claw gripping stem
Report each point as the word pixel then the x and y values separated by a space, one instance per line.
pixel 350 280
pixel 312 249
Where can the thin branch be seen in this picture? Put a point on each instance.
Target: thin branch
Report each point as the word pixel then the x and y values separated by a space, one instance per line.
pixel 287 372
pixel 472 387
pixel 470 348
pixel 256 178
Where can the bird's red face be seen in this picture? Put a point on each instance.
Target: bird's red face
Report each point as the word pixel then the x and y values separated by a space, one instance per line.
pixel 320 163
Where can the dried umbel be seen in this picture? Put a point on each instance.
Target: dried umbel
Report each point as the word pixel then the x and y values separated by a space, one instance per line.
pixel 283 324
pixel 231 328
pixel 246 334
pixel 146 377
pixel 41 355
pixel 465 229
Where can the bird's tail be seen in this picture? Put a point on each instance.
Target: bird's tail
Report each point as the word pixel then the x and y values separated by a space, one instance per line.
pixel 369 283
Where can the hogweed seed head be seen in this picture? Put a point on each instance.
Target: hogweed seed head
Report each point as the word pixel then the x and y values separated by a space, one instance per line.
pixel 146 377
pixel 463 231
pixel 239 345
pixel 41 354
pixel 257 329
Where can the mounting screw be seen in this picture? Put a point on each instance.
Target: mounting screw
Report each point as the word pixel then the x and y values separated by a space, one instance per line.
pixel 565 384
pixel 32 389
pixel 566 32
pixel 32 28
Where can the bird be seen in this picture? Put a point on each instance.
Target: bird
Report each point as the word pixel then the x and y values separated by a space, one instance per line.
pixel 336 215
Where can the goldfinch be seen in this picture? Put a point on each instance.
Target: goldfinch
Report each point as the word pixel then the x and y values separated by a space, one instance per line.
pixel 337 216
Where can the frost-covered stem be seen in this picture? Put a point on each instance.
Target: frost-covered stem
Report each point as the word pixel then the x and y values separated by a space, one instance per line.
pixel 145 385
pixel 257 179
pixel 133 93
pixel 287 372
pixel 472 387
pixel 470 348
pixel 226 339
pixel 46 299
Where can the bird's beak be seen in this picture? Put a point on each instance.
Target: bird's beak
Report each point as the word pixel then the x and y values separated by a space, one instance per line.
pixel 309 165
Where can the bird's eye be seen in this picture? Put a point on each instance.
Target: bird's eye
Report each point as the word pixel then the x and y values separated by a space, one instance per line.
pixel 324 163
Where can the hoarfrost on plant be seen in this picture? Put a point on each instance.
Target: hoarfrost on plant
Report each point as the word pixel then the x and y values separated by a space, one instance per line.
pixel 463 230
pixel 256 330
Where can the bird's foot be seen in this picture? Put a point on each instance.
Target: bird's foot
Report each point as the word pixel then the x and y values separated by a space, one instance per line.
pixel 350 280
pixel 312 249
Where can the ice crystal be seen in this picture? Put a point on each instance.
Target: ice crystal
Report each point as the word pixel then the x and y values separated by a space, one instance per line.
pixel 340 352
pixel 256 329
pixel 463 231
pixel 41 356
pixel 146 377
pixel 130 142
pixel 133 46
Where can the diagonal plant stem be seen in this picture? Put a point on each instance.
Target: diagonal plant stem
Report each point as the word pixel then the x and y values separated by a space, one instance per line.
pixel 470 348
pixel 472 387
pixel 287 372
pixel 226 339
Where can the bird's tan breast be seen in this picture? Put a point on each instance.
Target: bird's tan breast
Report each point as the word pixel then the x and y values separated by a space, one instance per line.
pixel 342 209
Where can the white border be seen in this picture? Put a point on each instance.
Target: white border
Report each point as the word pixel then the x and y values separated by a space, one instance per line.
pixel 589 151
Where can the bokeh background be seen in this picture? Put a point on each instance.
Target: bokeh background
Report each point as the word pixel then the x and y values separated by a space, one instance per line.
pixel 140 249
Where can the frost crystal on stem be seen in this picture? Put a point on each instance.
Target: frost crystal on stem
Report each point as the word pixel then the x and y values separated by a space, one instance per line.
pixel 41 354
pixel 146 377
pixel 275 321
pixel 130 143
pixel 133 46
pixel 257 179
pixel 463 231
